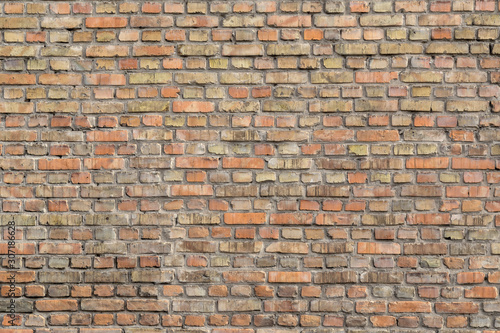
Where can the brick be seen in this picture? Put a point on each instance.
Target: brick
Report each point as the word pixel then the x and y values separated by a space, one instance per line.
pixel 456 307
pixel 192 106
pixel 370 307
pixel 426 249
pixel 148 106
pixel 109 51
pixel 106 22
pixel 148 51
pixel 151 21
pixel 197 50
pixel 377 105
pixel 375 77
pixel 196 78
pixel 289 277
pixel 381 20
pixel 102 305
pixel 429 219
pixel 428 277
pixel 356 49
pixel 376 135
pixel 466 106
pixel 148 305
pixel 54 248
pixel 332 248
pixel 335 277
pixel 242 50
pixel 337 21
pixel 105 79
pixel 197 162
pixel 59 164
pixel 378 248
pixel 401 48
pixel 149 78
pixel 16 79
pixel 381 277
pixel 434 106
pixel 333 135
pixel 56 305
pixel 295 219
pixel 18 23
pixel 331 77
pixel 428 163
pixel 440 19
pixel 238 305
pixel 249 277
pixel 285 306
pixel 244 218
pixel 287 49
pixel 145 276
pixel 105 136
pixel 471 277
pixel 447 48
pixel 288 247
pixel 410 306
pixel 60 79
pixel 468 163
pixel 191 190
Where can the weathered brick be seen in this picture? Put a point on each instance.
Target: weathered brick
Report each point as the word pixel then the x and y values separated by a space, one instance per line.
pixel 419 249
pixel 238 305
pixel 382 20
pixel 60 277
pixel 447 48
pixel 382 277
pixel 456 307
pixel 378 248
pixel 288 49
pixel 335 277
pixel 410 307
pixel 197 50
pixel 201 306
pixel 242 50
pixel 150 78
pixel 376 105
pixel 333 247
pixel 148 106
pixel 247 276
pixel 285 305
pixel 109 51
pixel 196 78
pixel 106 22
pixel 244 218
pixel 18 23
pixel 56 305
pixel 240 247
pixel 357 49
pixel 102 305
pixel 148 276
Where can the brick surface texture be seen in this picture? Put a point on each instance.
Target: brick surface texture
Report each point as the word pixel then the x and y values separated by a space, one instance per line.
pixel 250 166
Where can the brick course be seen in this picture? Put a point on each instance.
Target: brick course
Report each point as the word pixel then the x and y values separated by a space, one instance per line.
pixel 251 166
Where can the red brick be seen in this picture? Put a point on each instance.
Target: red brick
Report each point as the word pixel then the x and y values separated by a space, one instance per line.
pixel 242 163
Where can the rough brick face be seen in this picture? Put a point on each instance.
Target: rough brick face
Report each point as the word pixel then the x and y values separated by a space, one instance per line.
pixel 250 166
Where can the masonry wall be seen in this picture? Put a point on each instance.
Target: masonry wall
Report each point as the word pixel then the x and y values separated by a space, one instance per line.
pixel 241 167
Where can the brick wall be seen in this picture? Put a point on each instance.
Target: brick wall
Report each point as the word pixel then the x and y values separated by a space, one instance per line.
pixel 241 167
